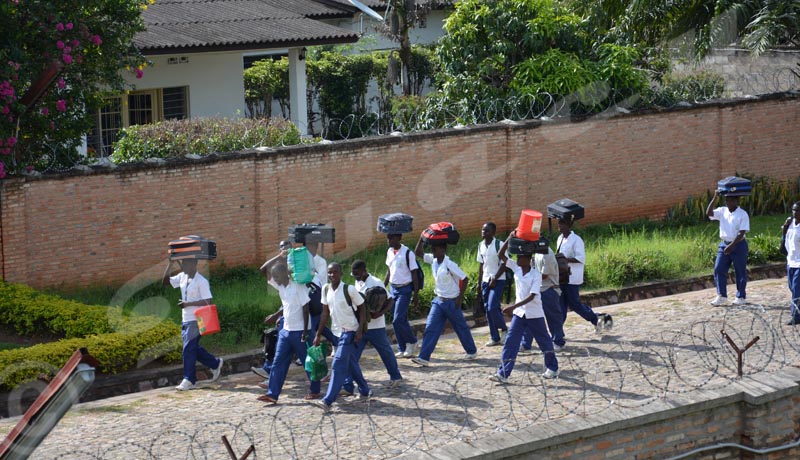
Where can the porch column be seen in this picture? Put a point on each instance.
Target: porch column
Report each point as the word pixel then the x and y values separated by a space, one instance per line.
pixel 297 89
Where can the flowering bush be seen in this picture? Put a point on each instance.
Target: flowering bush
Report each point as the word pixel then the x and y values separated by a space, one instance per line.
pixel 202 136
pixel 57 61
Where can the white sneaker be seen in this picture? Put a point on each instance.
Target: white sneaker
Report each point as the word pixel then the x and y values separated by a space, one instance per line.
pixel 739 301
pixel 503 337
pixel 598 328
pixel 322 405
pixel 470 356
pixel 558 347
pixel 492 343
pixel 411 348
pixel 365 397
pixel 185 385
pixel 719 300
pixel 215 373
pixel 259 371
pixel 421 362
pixel 608 322
pixel 395 383
pixel 399 354
pixel 550 374
pixel 498 378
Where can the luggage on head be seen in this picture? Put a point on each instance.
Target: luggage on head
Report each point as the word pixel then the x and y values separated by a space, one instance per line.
pixel 312 233
pixel 440 232
pixel 192 247
pixel 396 222
pixel 734 186
pixel 565 209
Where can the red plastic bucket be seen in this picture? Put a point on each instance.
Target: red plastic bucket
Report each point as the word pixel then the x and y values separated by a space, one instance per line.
pixel 530 225
pixel 207 319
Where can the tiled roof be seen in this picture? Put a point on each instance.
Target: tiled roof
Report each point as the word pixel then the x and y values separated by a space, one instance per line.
pixel 380 5
pixel 209 25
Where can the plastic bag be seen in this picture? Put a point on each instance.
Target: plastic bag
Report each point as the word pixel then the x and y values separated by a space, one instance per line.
pixel 315 364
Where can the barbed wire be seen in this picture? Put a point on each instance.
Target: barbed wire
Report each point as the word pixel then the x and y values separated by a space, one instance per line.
pixel 455 401
pixel 595 100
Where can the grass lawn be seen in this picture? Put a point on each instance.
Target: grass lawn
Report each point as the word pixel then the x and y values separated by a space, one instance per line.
pixel 616 255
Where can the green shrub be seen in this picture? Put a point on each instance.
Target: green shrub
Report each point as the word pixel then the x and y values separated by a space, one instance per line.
pixel 115 352
pixel 764 249
pixel 696 87
pixel 619 269
pixel 201 136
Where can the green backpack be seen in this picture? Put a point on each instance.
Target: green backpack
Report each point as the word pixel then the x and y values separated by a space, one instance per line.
pixel 300 263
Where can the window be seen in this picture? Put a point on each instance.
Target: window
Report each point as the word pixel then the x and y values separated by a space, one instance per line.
pixel 136 108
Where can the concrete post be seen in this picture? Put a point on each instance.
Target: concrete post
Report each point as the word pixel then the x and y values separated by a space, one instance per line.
pixel 297 89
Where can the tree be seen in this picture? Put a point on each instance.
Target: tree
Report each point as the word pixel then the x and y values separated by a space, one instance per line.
pixel 264 80
pixel 403 16
pixel 59 59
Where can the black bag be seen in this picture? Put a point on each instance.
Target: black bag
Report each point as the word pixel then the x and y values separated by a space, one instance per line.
pixel 375 298
pixel 519 246
pixel 315 302
pixel 420 274
pixel 312 233
pixel 440 232
pixel 782 248
pixel 734 186
pixel 270 341
pixel 395 223
pixel 565 209
pixel 563 269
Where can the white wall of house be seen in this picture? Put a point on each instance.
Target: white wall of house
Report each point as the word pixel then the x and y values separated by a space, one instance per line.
pixel 374 40
pixel 216 85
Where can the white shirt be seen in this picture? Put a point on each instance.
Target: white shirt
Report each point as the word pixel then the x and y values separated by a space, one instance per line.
pixel 341 313
pixel 293 297
pixel 572 247
pixel 793 245
pixel 731 223
pixel 320 269
pixel 399 272
pixel 527 284
pixel 487 255
pixel 547 266
pixel 362 286
pixel 446 276
pixel 191 290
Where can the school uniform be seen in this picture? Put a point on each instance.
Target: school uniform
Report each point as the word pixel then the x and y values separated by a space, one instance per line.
pixel 447 276
pixel 527 318
pixel 400 264
pixel 793 267
pixel 730 224
pixel 344 361
pixel 192 290
pixel 376 335
pixel 489 257
pixel 548 267
pixel 294 297
pixel 572 247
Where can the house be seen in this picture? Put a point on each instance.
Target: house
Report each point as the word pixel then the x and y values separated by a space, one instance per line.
pixel 198 50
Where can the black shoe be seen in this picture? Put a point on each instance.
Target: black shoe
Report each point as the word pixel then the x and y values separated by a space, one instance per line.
pixel 793 322
pixel 608 322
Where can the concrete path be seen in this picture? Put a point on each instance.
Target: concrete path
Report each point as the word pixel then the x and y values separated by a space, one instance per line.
pixel 658 347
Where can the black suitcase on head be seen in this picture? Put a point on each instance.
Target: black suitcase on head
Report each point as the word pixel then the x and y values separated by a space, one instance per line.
pixel 734 186
pixel 312 233
pixel 519 246
pixel 192 247
pixel 565 209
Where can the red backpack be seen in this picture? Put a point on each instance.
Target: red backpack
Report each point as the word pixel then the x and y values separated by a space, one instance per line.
pixel 440 232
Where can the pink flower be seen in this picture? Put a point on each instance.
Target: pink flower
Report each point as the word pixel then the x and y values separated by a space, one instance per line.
pixel 61 83
pixel 11 141
pixel 2 170
pixel 69 26
pixel 66 58
pixel 67 49
pixel 45 111
pixel 96 40
pixel 59 27
pixel 139 73
pixel 52 125
pixel 60 45
pixel 29 168
pixel 61 105
pixel 75 43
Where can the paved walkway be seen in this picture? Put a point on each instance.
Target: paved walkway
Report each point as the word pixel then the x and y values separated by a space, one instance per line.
pixel 658 347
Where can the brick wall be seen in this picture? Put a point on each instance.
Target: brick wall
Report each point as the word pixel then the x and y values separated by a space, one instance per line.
pixel 109 226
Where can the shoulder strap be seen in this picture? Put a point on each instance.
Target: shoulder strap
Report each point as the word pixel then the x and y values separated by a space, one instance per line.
pixel 347 295
pixel 408 260
pixel 497 245
pixel 325 292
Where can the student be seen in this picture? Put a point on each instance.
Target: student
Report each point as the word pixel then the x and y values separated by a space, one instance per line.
pixel 547 265
pixel 492 274
pixel 527 316
pixel 450 282
pixel 734 223
pixel 349 312
pixel 376 328
pixel 292 336
pixel 263 371
pixel 403 281
pixel 571 246
pixel 195 292
pixel 791 232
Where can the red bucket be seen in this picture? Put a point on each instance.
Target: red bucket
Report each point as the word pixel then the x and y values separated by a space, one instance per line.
pixel 530 225
pixel 207 319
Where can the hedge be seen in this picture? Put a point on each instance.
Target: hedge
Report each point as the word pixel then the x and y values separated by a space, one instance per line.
pixel 118 341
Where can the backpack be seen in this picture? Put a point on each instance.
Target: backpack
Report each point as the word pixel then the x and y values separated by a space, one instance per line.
pixel 509 272
pixel 440 232
pixel 300 263
pixel 420 275
pixel 346 292
pixel 315 302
